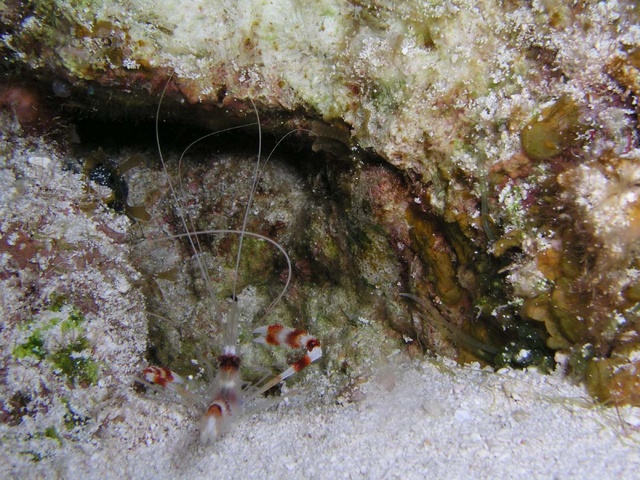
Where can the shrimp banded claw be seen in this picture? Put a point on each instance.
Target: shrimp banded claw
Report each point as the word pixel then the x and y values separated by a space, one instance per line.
pixel 227 396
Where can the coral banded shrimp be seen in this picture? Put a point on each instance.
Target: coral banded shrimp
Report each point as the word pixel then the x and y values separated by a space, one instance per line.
pixel 228 394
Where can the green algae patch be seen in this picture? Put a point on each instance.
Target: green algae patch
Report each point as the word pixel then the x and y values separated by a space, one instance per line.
pixel 72 362
pixel 52 432
pixel 33 347
pixel 57 336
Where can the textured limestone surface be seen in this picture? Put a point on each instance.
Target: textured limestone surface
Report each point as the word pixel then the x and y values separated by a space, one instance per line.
pixel 73 326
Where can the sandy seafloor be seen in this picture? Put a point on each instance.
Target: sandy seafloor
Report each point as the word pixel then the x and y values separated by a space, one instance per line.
pixel 422 419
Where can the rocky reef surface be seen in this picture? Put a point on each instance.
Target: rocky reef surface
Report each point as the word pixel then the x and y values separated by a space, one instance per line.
pixel 480 156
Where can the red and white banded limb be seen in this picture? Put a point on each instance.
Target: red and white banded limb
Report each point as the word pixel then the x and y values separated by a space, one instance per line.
pixel 292 338
pixel 225 395
pixel 163 377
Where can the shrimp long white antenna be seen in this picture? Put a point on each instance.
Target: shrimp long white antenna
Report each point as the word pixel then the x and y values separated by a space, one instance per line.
pixel 189 227
pixel 231 330
pixel 183 154
pixel 254 235
pixel 254 185
pixel 256 180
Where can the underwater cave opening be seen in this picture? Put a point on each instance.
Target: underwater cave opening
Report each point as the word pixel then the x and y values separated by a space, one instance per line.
pixel 306 200
pixel 339 211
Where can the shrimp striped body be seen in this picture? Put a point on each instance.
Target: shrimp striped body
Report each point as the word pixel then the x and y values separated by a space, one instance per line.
pixel 226 403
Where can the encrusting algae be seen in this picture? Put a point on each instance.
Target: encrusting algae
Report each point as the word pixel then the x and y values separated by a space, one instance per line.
pixel 553 131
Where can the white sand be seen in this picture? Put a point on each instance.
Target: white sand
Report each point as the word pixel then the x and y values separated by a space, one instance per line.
pixel 438 421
